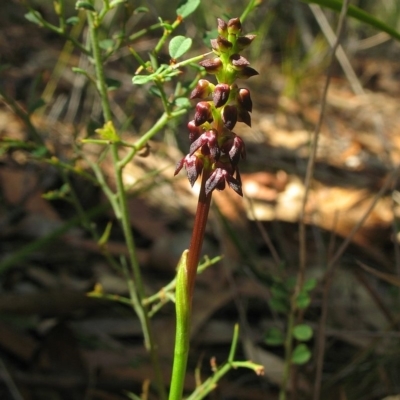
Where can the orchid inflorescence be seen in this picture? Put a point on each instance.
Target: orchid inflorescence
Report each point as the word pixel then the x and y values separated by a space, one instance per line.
pixel 215 149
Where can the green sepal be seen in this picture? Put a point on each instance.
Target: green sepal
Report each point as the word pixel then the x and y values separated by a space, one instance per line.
pixel 108 132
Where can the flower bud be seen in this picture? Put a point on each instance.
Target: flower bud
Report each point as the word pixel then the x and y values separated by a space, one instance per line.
pixel 203 113
pixel 194 131
pixel 222 27
pixel 234 147
pixel 238 61
pixel 220 45
pixel 193 165
pixel 246 72
pixel 244 116
pixel 234 26
pixel 202 90
pixel 221 94
pixel 243 41
pixel 244 99
pixel 212 66
pixel 229 116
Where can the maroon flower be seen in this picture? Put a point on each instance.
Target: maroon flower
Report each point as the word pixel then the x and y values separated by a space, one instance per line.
pixel 220 176
pixel 194 131
pixel 244 41
pixel 244 99
pixel 212 66
pixel 208 139
pixel 221 94
pixel 193 165
pixel 203 113
pixel 214 146
pixel 229 116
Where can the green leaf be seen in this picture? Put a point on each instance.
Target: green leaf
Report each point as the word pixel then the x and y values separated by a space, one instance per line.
pixel 187 7
pixel 35 17
pixel 178 46
pixel 155 91
pixel 359 14
pixel 310 284
pixel 274 337
pixel 301 354
pixel 302 332
pixel 105 236
pixel 182 102
pixel 106 44
pixel 72 20
pixel 141 79
pixel 108 132
pixel 279 305
pixel 303 300
pixel 84 5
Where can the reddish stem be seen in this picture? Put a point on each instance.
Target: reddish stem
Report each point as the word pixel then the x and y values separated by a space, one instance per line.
pixel 196 243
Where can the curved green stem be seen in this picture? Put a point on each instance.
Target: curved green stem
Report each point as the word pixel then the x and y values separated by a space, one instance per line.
pixel 138 290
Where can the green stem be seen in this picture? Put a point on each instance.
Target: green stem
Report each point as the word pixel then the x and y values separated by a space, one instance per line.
pixel 288 350
pixel 138 290
pixel 182 335
pixel 186 277
pixel 140 143
pixel 209 385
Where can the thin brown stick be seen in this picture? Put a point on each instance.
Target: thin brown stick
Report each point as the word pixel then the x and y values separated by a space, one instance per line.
pixel 309 175
pixel 314 147
pixel 328 276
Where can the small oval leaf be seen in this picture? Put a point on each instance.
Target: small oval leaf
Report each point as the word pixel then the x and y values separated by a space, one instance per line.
pixel 178 46
pixel 303 300
pixel 187 7
pixel 301 354
pixel 303 332
pixel 106 44
pixel 35 17
pixel 274 337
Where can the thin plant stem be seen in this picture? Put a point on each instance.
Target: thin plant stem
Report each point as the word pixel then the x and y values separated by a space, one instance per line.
pixel 196 242
pixel 302 223
pixel 328 276
pixel 138 291
pixel 310 171
pixel 182 334
pixel 186 277
pixel 288 346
